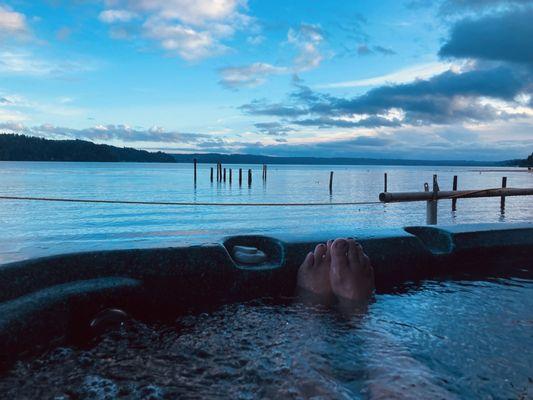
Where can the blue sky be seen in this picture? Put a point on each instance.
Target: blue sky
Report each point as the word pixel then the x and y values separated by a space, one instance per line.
pixel 450 79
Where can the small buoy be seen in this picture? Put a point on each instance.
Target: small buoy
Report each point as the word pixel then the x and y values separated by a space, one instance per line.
pixel 110 318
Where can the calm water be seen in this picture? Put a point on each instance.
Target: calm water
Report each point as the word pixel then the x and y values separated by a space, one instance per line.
pixel 463 337
pixel 34 228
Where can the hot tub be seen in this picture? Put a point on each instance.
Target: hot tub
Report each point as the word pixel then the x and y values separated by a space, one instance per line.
pixel 231 324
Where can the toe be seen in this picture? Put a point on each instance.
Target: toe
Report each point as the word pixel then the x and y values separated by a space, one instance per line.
pixel 339 248
pixel 320 252
pixel 339 261
pixel 328 251
pixel 309 260
pixel 354 254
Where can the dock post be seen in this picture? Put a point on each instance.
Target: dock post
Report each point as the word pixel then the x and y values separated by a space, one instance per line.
pixel 431 207
pixel 266 171
pixel 454 201
pixel 330 182
pixel 195 161
pixel 218 172
pixel 249 177
pixel 224 175
pixel 211 174
pixel 230 175
pixel 240 176
pixel 502 200
pixel 385 182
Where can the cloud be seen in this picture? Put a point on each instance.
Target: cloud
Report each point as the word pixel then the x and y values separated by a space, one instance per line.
pixel 23 63
pixel 501 37
pixel 248 76
pixel 12 23
pixel 363 50
pixel 105 133
pixel 191 29
pixel 441 143
pixel 307 40
pixel 442 99
pixel 273 128
pixel 112 16
pixel 384 50
pixel 452 7
pixel 422 71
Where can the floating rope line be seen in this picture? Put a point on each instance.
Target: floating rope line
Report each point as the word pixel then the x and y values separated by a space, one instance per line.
pixel 173 203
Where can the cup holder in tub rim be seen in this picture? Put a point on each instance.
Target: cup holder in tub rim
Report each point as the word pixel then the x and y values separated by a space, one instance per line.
pixel 255 252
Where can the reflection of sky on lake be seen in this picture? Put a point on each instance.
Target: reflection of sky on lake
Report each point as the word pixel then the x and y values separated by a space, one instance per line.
pixel 37 228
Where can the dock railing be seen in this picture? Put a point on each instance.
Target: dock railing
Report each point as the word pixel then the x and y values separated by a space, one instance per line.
pixel 431 197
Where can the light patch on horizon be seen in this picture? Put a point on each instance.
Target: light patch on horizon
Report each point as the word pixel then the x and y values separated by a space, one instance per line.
pixel 404 75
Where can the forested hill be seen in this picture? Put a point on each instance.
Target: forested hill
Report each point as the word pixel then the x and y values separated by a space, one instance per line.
pixel 27 148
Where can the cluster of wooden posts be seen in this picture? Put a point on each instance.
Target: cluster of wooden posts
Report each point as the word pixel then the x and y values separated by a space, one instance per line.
pixel 432 196
pixel 224 175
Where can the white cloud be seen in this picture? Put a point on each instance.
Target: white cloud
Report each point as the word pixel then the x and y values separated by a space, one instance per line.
pixel 24 63
pixel 307 39
pixel 421 71
pixel 192 29
pixel 187 42
pixel 112 16
pixel 248 76
pixel 12 22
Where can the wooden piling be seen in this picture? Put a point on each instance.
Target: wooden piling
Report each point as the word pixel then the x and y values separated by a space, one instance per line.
pixel 211 174
pixel 224 175
pixel 431 205
pixel 218 172
pixel 266 171
pixel 330 182
pixel 502 199
pixel 240 176
pixel 230 175
pixel 195 161
pixel 454 188
pixel 385 182
pixel 249 177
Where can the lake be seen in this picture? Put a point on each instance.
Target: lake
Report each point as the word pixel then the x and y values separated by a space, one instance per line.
pixel 30 229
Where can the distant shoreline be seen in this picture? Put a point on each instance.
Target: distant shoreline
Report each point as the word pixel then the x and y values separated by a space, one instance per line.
pixel 27 148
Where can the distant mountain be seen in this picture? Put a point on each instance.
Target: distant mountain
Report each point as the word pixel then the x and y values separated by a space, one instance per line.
pixel 213 158
pixel 27 148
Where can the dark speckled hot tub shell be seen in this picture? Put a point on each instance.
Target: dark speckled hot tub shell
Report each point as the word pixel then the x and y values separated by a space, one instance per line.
pixel 46 300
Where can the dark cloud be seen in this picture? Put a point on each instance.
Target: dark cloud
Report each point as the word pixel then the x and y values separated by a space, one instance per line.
pixel 261 107
pixel 273 128
pixel 370 122
pixel 445 98
pixel 503 36
pixel 365 50
pixel 384 50
pixel 109 132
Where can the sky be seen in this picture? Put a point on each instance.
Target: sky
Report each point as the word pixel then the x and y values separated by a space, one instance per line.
pixel 422 79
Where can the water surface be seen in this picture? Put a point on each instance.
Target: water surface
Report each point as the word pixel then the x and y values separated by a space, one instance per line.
pixel 31 229
pixel 463 336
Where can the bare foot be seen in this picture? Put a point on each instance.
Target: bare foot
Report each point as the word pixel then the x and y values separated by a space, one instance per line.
pixel 351 275
pixel 313 274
